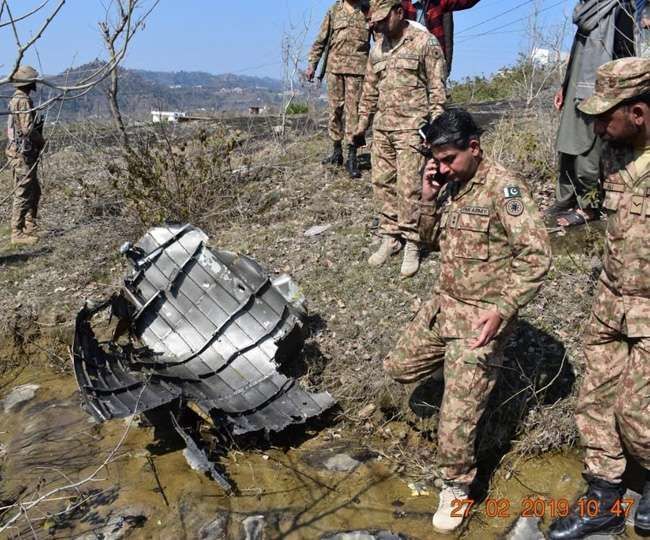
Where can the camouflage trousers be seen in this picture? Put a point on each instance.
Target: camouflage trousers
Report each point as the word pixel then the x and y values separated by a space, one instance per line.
pixel 27 192
pixel 613 409
pixel 344 93
pixel 397 182
pixel 469 377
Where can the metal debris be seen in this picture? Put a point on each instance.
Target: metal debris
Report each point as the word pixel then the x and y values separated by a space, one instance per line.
pixel 210 328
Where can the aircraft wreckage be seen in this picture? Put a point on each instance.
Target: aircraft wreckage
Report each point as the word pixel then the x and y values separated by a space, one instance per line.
pixel 208 329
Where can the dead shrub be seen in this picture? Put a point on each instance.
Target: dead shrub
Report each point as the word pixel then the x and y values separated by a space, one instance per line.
pixel 193 179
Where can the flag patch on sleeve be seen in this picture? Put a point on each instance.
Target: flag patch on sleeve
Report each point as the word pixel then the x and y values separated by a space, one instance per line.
pixel 511 192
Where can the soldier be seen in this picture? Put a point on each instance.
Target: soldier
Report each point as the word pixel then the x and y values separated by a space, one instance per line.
pixel 25 142
pixel 405 87
pixel 613 409
pixel 494 256
pixel 346 34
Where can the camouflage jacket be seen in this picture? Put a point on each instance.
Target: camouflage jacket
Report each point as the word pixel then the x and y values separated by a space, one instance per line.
pixel 626 264
pixel 24 137
pixel 349 43
pixel 494 248
pixel 405 84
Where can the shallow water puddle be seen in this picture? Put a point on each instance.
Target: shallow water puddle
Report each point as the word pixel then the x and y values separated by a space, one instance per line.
pixel 147 489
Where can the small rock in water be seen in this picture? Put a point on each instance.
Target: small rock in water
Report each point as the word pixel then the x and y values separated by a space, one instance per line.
pixel 526 528
pixel 119 525
pixel 217 529
pixel 341 463
pixel 19 395
pixel 316 230
pixel 364 535
pixel 418 489
pixel 254 527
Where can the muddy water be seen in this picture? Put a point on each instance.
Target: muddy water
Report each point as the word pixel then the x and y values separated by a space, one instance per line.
pixel 49 441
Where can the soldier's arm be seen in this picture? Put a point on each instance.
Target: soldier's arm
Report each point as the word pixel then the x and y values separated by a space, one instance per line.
pixel 23 119
pixel 530 246
pixel 457 5
pixel 319 43
pixel 436 73
pixel 369 97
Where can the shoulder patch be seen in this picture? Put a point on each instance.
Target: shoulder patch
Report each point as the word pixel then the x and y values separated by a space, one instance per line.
pixel 511 192
pixel 514 207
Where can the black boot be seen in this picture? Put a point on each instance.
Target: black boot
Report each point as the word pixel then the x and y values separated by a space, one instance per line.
pixel 352 165
pixel 592 513
pixel 336 158
pixel 642 515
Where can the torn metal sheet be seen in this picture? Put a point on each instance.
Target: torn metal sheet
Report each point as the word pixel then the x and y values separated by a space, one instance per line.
pixel 213 326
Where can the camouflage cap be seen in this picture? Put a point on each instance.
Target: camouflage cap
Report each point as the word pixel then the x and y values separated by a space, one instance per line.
pixel 24 76
pixel 618 81
pixel 379 9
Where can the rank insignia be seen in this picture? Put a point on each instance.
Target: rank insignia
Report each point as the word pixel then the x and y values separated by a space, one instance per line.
pixel 515 207
pixel 511 192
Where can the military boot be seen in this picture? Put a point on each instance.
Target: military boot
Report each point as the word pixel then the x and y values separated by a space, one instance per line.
pixel 389 246
pixel 642 515
pixel 352 164
pixel 449 515
pixel 19 238
pixel 31 227
pixel 336 157
pixel 592 513
pixel 411 261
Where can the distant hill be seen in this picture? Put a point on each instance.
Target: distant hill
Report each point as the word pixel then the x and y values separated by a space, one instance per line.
pixel 141 91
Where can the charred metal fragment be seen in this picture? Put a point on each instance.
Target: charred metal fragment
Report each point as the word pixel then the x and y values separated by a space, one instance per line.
pixel 211 325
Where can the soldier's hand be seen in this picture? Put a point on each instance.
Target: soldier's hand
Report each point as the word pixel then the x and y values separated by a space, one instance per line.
pixel 431 181
pixel 309 73
pixel 558 100
pixel 490 323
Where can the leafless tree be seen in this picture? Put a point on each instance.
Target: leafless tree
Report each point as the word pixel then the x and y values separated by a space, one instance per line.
pixel 119 35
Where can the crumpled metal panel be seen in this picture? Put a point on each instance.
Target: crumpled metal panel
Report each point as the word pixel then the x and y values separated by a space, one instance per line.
pixel 212 323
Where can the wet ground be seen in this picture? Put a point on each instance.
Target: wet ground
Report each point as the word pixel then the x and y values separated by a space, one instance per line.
pixel 311 489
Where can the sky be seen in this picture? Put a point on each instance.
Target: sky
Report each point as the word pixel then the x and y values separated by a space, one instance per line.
pixel 245 36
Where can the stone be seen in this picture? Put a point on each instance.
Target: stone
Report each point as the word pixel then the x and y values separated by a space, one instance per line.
pixel 119 525
pixel 526 528
pixel 19 395
pixel 341 463
pixel 367 411
pixel 217 529
pixel 364 535
pixel 316 230
pixel 254 527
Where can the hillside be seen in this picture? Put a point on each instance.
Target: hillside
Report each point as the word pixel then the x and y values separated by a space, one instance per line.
pixel 142 91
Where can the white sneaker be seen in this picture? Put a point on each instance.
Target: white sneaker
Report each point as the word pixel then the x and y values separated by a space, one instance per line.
pixel 450 512
pixel 411 261
pixel 389 246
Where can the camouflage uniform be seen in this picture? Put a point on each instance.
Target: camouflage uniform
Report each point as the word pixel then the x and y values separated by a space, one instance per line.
pixel 23 148
pixel 403 89
pixel 494 254
pixel 613 407
pixel 346 64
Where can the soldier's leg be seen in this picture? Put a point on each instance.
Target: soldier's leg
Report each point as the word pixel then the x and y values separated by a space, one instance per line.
pixel 420 350
pixel 34 200
pixel 470 376
pixel 353 88
pixel 336 102
pixel 633 402
pixel 409 183
pixel 384 175
pixel 22 195
pixel 605 356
